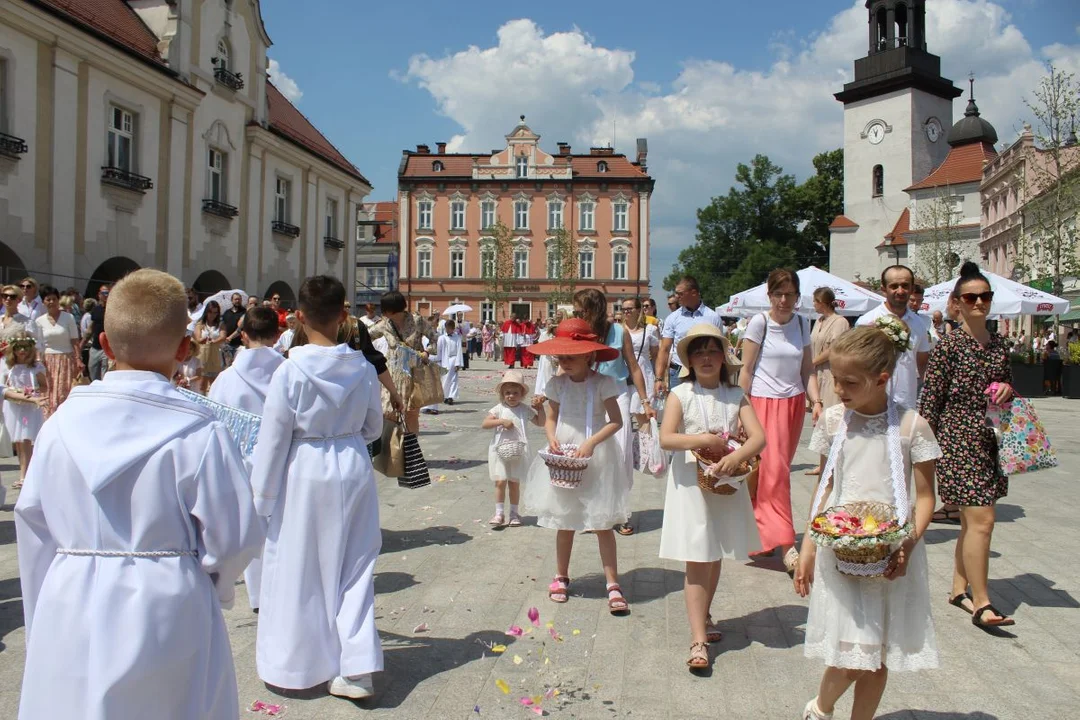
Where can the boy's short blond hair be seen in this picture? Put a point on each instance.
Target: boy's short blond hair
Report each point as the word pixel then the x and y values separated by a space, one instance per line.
pixel 146 317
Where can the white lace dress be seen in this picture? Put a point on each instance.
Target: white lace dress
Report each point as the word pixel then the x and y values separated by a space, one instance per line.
pixel 601 501
pixel 864 623
pixel 513 468
pixel 703 526
pixel 644 339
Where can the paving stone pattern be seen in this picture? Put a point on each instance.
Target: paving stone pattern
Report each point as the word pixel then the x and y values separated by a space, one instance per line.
pixel 443 568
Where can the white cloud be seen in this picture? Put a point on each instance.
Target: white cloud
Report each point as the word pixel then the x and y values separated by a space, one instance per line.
pixel 283 82
pixel 712 114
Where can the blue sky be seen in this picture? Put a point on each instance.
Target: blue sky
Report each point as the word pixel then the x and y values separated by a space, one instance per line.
pixel 708 83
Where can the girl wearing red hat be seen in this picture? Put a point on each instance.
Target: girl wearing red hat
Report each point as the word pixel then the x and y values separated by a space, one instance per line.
pixel 584 413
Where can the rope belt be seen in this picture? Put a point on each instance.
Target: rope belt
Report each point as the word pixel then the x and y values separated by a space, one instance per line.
pixel 125 553
pixel 330 437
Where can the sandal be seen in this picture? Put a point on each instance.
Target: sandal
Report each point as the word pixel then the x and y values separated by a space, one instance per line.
pixel 958 601
pixel 791 561
pixel 699 656
pixel 945 515
pixel 1002 619
pixel 616 603
pixel 625 529
pixel 712 631
pixel 497 520
pixel 559 588
pixel 515 520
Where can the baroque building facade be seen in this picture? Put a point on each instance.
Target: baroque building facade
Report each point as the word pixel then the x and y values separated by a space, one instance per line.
pixel 448 204
pixel 146 133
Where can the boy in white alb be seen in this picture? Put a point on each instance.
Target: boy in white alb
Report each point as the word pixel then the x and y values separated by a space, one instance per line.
pixel 243 385
pixel 313 479
pixel 448 357
pixel 130 537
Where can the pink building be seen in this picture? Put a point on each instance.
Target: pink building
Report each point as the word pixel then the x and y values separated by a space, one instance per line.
pixel 448 203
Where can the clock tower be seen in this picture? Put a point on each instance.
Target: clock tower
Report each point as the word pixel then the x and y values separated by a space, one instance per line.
pixel 896 113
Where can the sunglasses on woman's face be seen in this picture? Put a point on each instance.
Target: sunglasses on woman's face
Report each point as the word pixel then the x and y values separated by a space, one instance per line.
pixel 10 296
pixel 970 298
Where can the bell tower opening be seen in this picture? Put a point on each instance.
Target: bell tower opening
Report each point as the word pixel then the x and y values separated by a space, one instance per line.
pixel 901 25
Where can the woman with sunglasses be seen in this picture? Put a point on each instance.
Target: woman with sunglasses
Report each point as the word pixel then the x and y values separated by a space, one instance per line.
pixel 961 369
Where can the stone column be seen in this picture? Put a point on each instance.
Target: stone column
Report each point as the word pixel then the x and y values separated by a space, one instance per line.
pixel 180 169
pixel 64 177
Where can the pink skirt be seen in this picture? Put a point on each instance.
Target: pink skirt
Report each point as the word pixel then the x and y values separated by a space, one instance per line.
pixel 782 419
pixel 60 369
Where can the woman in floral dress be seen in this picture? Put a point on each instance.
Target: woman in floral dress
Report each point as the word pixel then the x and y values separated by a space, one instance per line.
pixel 399 336
pixel 962 366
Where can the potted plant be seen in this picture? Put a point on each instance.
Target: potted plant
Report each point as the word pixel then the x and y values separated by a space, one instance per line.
pixel 1070 372
pixel 1027 373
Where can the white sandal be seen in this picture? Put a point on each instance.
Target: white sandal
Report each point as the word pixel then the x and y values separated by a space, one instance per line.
pixel 811 712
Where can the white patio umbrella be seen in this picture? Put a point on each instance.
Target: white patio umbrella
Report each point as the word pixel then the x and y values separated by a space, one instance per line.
pixel 1010 298
pixel 850 298
pixel 460 307
pixel 224 298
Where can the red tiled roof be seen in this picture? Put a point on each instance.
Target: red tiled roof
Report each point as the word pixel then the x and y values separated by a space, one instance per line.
pixel 898 236
pixel 963 164
pixel 461 165
pixel 290 122
pixel 843 222
pixel 113 19
pixel 618 166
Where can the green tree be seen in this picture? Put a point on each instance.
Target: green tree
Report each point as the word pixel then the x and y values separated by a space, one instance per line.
pixel 565 250
pixel 497 266
pixel 819 200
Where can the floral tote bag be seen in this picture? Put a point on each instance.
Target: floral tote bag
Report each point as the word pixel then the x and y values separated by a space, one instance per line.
pixel 1024 445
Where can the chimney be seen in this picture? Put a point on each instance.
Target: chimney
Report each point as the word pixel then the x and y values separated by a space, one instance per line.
pixel 642 152
pixel 601 151
pixel 423 150
pixel 441 148
pixel 564 148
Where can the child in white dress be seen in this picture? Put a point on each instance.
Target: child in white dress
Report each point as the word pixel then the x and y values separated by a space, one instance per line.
pixel 863 627
pixel 508 419
pixel 26 394
pixel 702 528
pixel 584 412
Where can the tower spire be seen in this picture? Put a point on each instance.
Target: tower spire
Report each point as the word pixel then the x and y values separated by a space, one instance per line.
pixel 972 108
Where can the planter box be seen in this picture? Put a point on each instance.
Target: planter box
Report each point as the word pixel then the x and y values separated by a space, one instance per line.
pixel 1028 380
pixel 1070 381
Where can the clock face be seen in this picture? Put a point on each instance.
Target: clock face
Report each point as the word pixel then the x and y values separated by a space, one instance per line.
pixel 876 133
pixel 933 129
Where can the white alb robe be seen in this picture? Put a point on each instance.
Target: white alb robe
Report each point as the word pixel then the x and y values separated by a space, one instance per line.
pixel 448 357
pixel 124 637
pixel 244 385
pixel 312 477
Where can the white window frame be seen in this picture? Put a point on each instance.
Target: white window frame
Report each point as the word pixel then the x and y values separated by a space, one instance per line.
pixel 521 263
pixel 521 211
pixel 457 263
pixel 552 308
pixel 602 166
pixel 219 170
pixel 4 88
pixel 424 261
pixel 587 215
pixel 586 262
pixel 620 255
pixel 555 214
pixel 620 215
pixel 457 214
pixel 552 263
pixel 487 261
pixel 521 166
pixel 224 54
pixel 115 136
pixel 487 312
pixel 282 191
pixel 331 223
pixel 376 277
pixel 487 214
pixel 425 214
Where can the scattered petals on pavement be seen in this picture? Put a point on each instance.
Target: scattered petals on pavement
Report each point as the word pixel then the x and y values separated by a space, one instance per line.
pixel 515 631
pixel 503 685
pixel 534 616
pixel 422 627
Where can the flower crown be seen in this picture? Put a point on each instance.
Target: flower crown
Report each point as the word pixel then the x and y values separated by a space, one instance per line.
pixel 22 342
pixel 896 331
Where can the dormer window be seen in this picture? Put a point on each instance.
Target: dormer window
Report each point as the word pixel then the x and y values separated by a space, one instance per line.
pixel 437 166
pixel 601 166
pixel 522 166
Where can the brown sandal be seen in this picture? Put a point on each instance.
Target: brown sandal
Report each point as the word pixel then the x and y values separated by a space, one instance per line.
pixel 560 586
pixel 712 632
pixel 699 656
pixel 617 605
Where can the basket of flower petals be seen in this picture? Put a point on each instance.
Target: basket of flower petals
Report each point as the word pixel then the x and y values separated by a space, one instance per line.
pixel 564 468
pixel 862 536
pixel 727 484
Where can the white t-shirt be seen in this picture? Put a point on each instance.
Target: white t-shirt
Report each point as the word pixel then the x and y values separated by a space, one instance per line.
pixel 57 336
pixel 778 373
pixel 904 384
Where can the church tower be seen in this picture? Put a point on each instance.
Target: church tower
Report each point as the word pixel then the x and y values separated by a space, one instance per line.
pixel 897 111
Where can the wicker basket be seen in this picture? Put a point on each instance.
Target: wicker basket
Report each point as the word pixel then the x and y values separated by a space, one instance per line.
pixel 565 471
pixel 708 483
pixel 862 555
pixel 510 449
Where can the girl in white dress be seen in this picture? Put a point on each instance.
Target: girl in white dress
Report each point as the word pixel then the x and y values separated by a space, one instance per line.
pixel 508 419
pixel 584 412
pixel 26 393
pixel 702 528
pixel 877 451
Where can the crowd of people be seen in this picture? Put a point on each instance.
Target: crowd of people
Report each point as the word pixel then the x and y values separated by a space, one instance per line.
pixel 153 536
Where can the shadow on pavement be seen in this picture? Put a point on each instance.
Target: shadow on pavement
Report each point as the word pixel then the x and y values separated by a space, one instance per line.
pixel 455 464
pixel 396 540
pixel 775 627
pixel 390 582
pixel 638 585
pixel 1028 589
pixel 7 532
pixel 11 608
pixel 647 520
pixel 935 715
pixel 1008 513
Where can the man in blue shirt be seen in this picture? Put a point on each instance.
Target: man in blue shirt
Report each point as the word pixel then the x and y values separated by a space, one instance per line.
pixel 691 312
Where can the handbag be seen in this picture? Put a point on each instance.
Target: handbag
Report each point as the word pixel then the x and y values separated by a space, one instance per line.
pixel 426 386
pixel 1024 445
pixel 391 460
pixel 415 472
pixel 652 459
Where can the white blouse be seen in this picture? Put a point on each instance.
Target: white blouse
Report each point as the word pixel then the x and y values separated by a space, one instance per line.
pixel 57 336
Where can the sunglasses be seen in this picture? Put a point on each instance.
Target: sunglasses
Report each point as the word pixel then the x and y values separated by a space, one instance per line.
pixel 26 285
pixel 10 296
pixel 629 309
pixel 971 298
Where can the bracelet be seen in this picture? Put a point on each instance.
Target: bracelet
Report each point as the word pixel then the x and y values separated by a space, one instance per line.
pixel 817 402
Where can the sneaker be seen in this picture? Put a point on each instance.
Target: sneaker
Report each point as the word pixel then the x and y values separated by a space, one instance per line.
pixel 354 688
pixel 811 712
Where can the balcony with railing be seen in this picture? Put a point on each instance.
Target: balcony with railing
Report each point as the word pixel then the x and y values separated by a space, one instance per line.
pixel 221 209
pixel 12 147
pixel 231 80
pixel 126 179
pixel 332 243
pixel 283 228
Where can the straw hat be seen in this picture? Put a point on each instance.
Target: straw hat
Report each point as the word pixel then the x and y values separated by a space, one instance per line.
pixel 700 330
pixel 511 377
pixel 575 337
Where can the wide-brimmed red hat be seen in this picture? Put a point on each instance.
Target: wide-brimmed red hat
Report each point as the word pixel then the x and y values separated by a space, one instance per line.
pixel 575 337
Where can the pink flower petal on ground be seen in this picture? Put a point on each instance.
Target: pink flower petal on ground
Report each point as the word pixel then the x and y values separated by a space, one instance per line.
pixel 422 627
pixel 534 616
pixel 526 701
pixel 515 631
pixel 538 710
